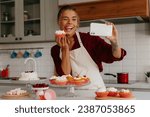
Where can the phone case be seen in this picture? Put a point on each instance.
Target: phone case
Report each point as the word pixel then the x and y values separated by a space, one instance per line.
pixel 99 29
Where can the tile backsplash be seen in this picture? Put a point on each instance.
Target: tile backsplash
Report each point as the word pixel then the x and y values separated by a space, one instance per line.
pixel 134 38
pixel 45 66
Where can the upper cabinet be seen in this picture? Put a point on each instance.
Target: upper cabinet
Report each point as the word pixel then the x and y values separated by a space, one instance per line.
pixel 69 2
pixel 25 21
pixel 106 9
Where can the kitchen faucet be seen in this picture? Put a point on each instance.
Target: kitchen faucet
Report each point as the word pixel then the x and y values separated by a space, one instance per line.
pixel 35 66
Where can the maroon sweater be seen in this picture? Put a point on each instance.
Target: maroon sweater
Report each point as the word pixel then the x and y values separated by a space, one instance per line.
pixel 99 50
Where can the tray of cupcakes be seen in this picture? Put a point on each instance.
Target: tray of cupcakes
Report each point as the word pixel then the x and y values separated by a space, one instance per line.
pixel 68 80
pixel 112 93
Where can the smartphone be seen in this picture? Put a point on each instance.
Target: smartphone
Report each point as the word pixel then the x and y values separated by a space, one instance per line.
pixel 99 29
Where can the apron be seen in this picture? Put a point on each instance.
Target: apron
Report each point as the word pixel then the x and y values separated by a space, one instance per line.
pixel 83 64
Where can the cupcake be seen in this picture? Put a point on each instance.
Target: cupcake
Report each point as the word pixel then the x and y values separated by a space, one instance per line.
pixel 52 80
pixel 86 79
pixel 61 80
pixel 112 91
pixel 70 80
pixel 60 34
pixel 101 92
pixel 125 93
pixel 79 81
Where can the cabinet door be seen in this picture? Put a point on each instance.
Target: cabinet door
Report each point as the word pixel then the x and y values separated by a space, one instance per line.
pixel 32 20
pixel 51 10
pixel 8 29
pixel 22 21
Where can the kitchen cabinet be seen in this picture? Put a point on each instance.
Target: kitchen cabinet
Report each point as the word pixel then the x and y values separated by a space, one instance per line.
pixel 66 2
pixel 25 21
pixel 112 9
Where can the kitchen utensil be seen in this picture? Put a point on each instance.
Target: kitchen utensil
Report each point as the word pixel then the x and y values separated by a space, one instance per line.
pixel 121 77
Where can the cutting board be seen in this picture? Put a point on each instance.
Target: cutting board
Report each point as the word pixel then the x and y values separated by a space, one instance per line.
pixel 25 95
pixel 115 98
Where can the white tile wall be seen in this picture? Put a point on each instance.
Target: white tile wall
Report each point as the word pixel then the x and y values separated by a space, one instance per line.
pixel 45 66
pixel 134 38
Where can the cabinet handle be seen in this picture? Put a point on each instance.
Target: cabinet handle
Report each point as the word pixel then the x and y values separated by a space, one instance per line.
pixel 20 38
pixel 16 38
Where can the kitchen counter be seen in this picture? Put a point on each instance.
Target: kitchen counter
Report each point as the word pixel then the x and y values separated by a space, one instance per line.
pixel 133 85
pixel 80 94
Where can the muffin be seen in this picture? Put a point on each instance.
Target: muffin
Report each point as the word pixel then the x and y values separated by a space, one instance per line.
pixel 61 80
pixel 70 80
pixel 101 92
pixel 112 91
pixel 125 93
pixel 60 34
pixel 86 79
pixel 52 80
pixel 79 81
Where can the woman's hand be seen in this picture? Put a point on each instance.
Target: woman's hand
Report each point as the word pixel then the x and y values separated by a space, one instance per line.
pixel 114 37
pixel 116 50
pixel 62 42
pixel 64 45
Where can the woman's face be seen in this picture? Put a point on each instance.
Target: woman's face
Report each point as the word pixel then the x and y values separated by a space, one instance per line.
pixel 69 22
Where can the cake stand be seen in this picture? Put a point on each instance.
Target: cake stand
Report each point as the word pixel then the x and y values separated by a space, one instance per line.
pixel 70 89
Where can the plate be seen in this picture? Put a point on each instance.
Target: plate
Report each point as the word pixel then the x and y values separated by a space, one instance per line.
pixel 44 88
pixel 69 85
pixel 6 96
pixel 114 98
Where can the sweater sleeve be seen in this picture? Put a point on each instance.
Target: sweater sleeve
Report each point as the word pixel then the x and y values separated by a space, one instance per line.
pixel 104 53
pixel 55 52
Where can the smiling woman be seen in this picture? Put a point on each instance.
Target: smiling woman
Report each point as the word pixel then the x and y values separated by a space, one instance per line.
pixel 79 53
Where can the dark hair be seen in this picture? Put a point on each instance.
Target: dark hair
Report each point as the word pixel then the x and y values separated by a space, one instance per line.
pixel 64 8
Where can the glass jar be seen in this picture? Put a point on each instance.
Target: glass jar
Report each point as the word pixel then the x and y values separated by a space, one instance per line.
pixel 5 18
pixel 26 15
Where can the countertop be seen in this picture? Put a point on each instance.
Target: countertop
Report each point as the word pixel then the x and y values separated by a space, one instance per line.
pixel 132 85
pixel 79 94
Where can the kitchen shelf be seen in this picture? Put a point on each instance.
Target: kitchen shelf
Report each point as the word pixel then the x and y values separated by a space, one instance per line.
pixel 7 2
pixel 22 48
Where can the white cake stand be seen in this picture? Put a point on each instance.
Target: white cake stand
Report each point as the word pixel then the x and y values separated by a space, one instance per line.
pixel 70 89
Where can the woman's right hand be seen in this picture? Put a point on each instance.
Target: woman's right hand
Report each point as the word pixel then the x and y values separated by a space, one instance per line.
pixel 62 42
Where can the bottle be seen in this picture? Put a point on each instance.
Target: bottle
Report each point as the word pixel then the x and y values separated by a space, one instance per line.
pixel 5 14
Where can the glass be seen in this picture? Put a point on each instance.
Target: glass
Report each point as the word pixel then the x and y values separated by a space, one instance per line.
pixel 7 20
pixel 22 20
pixel 32 19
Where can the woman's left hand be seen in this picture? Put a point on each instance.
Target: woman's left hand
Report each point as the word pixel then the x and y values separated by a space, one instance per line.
pixel 114 37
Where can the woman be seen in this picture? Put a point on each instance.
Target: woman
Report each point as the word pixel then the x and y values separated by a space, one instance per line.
pixel 80 53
